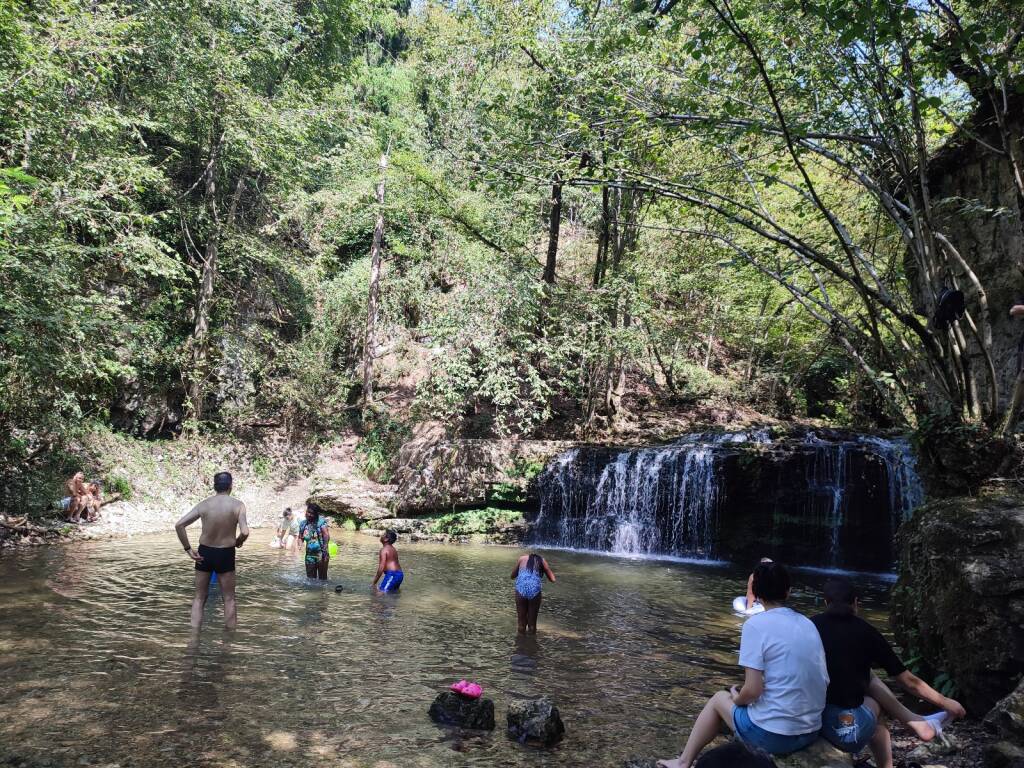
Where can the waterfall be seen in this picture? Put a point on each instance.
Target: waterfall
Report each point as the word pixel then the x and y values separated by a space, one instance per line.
pixel 824 499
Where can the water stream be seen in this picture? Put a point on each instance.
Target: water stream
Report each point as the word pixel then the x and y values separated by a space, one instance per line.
pixel 98 665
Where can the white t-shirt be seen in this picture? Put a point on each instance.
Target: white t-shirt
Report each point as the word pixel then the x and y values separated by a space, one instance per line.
pixel 786 646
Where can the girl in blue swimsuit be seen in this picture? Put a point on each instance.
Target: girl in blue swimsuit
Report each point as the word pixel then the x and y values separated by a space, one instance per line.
pixel 529 573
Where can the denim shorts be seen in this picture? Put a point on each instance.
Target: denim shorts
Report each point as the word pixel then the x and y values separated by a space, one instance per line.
pixel 848 729
pixel 772 743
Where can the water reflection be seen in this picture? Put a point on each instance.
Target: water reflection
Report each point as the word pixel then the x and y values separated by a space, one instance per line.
pixel 98 661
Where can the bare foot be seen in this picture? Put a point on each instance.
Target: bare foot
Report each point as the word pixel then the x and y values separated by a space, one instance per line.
pixel 674 763
pixel 923 729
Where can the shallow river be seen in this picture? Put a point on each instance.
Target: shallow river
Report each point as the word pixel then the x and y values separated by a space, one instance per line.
pixel 97 663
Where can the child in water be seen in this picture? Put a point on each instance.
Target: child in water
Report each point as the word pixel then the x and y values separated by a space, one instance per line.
pixel 388 565
pixel 528 573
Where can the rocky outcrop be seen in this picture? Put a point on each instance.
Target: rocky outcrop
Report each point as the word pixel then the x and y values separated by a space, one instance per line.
pixel 343 491
pixel 1007 717
pixel 450 708
pixel 437 475
pixel 535 721
pixel 959 600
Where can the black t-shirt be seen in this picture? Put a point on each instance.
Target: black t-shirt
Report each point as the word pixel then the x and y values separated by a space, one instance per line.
pixel 852 648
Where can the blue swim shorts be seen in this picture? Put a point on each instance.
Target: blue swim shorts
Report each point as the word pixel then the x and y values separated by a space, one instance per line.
pixel 848 729
pixel 392 581
pixel 772 743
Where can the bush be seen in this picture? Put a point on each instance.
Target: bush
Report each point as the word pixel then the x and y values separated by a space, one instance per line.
pixel 115 483
pixel 474 521
pixel 261 467
pixel 382 439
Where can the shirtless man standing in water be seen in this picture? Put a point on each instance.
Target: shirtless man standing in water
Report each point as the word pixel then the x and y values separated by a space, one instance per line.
pixel 221 514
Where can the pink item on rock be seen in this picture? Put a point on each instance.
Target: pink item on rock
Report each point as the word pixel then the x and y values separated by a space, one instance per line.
pixel 459 687
pixel 473 691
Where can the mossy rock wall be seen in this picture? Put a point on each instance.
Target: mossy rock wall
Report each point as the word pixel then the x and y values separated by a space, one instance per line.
pixel 959 599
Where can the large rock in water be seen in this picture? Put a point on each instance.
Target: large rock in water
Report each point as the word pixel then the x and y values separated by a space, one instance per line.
pixel 436 475
pixel 450 708
pixel 959 600
pixel 535 721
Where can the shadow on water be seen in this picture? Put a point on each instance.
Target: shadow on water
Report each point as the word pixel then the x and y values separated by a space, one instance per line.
pixel 98 662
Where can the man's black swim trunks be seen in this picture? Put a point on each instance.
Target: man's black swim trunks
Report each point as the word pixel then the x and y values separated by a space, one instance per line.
pixel 216 559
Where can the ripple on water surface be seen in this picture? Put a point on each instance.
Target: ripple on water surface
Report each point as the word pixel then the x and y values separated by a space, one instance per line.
pixel 98 662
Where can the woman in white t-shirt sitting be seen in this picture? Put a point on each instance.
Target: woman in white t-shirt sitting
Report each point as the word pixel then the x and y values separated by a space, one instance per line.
pixel 778 709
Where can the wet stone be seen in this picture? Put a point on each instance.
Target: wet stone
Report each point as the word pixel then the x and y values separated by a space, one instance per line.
pixel 450 708
pixel 535 721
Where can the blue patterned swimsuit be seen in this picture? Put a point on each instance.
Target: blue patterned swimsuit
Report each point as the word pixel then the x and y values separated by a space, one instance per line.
pixel 528 583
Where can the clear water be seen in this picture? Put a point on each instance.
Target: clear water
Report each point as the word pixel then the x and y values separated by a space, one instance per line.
pixel 98 665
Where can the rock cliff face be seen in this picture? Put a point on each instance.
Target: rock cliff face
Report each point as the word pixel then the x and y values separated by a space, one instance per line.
pixel 438 475
pixel 980 215
pixel 959 600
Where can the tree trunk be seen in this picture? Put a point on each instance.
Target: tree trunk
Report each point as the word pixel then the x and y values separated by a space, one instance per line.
pixel 602 239
pixel 372 303
pixel 204 299
pixel 554 229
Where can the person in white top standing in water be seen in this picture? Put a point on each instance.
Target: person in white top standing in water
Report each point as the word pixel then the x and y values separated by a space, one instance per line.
pixel 778 709
pixel 221 515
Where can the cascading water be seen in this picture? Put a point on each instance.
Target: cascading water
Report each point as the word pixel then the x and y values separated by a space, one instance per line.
pixel 812 499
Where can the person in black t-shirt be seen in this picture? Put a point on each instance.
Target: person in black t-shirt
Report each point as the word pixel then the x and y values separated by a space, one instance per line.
pixel 856 698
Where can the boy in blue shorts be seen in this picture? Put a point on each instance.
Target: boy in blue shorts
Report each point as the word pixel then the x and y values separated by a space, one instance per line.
pixel 388 566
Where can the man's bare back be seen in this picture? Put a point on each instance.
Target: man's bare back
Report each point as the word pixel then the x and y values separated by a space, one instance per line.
pixel 220 515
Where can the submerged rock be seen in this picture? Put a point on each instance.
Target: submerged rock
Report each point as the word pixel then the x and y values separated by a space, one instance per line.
pixel 450 708
pixel 959 600
pixel 535 721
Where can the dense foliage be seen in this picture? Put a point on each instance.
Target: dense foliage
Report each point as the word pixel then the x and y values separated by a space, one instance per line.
pixel 583 207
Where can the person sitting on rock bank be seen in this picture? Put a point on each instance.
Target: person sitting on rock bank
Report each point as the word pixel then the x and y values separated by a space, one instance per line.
pixel 778 709
pixel 78 494
pixel 94 501
pixel 855 697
